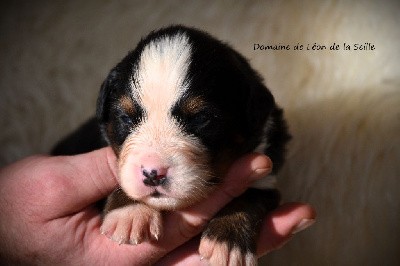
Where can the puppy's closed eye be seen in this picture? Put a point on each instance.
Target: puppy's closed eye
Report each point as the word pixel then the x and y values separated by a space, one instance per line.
pixel 128 112
pixel 202 119
pixel 126 119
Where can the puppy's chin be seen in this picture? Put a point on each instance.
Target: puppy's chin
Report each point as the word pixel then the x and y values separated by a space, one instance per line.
pixel 164 202
pixel 166 199
pixel 171 195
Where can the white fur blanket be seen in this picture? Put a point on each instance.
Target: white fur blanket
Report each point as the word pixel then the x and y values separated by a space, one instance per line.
pixel 343 106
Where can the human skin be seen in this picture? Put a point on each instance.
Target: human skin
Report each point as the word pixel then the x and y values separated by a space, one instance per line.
pixel 48 214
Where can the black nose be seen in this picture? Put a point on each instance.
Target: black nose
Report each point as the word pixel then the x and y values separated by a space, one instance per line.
pixel 152 178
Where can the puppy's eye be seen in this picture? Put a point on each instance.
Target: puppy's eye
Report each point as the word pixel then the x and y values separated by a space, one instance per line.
pixel 201 119
pixel 204 119
pixel 126 119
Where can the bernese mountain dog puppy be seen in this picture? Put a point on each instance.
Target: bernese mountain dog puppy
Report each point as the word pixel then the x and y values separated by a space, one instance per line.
pixel 177 111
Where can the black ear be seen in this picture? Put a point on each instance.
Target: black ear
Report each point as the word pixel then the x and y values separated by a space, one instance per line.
pixel 260 104
pixel 269 122
pixel 266 119
pixel 103 101
pixel 256 100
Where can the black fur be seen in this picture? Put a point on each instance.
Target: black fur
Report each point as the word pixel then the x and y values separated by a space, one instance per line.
pixel 240 221
pixel 85 139
pixel 238 103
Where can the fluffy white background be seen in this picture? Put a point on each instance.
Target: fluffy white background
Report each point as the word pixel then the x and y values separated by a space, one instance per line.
pixel 343 107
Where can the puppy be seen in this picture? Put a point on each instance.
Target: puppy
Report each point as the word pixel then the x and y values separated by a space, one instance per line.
pixel 177 111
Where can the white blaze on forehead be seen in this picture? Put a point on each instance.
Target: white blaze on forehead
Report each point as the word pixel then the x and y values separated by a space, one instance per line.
pixel 160 76
pixel 158 82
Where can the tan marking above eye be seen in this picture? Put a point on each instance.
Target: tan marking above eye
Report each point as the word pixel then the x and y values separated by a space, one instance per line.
pixel 127 104
pixel 193 105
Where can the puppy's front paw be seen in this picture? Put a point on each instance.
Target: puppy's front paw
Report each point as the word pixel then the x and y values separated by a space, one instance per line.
pixel 222 253
pixel 230 239
pixel 132 224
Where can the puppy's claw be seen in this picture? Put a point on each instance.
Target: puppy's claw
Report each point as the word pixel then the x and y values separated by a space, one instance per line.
pixel 155 236
pixel 132 224
pixel 121 241
pixel 134 242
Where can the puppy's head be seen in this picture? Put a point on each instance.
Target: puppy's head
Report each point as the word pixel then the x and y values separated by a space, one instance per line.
pixel 177 111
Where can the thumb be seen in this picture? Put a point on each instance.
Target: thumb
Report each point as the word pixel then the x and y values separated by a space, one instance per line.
pixel 280 225
pixel 96 173
pixel 86 178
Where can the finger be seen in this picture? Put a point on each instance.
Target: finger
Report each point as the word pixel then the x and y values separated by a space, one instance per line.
pixel 280 225
pixel 278 228
pixel 184 225
pixel 97 173
pixel 240 176
pixel 187 223
pixel 186 254
pixel 84 179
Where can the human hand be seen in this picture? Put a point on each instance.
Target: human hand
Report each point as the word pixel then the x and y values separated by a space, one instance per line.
pixel 278 228
pixel 48 215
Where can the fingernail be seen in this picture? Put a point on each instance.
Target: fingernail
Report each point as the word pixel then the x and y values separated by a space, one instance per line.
pixel 261 172
pixel 262 167
pixel 304 224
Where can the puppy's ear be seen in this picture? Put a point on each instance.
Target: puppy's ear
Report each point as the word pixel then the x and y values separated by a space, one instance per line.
pixel 103 101
pixel 256 99
pixel 268 121
pixel 260 104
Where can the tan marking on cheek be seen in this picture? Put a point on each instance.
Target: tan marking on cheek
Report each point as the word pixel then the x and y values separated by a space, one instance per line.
pixel 110 130
pixel 127 104
pixel 110 134
pixel 126 151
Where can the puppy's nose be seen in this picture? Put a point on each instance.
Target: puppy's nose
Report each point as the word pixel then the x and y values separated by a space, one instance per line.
pixel 154 177
pixel 153 171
